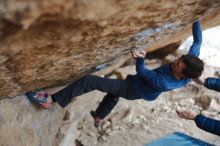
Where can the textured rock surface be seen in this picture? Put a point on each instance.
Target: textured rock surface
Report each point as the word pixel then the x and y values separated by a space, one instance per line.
pixel 48 43
pixel 23 124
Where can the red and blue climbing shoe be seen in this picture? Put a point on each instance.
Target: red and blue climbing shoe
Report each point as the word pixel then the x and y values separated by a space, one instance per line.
pixel 39 98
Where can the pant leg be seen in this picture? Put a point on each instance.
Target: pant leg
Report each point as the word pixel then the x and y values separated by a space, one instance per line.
pixel 89 83
pixel 110 100
pixel 106 106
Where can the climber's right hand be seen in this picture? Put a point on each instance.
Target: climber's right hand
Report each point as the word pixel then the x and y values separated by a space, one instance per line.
pixel 137 54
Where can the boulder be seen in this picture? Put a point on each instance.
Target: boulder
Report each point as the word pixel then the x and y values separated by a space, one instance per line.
pixel 50 43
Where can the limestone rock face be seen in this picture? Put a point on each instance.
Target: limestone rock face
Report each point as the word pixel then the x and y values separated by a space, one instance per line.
pixel 46 43
pixel 51 42
pixel 25 124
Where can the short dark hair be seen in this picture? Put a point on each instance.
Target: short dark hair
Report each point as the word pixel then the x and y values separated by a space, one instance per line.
pixel 194 66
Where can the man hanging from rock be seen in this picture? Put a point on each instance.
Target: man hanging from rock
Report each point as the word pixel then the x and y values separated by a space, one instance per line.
pixel 146 84
pixel 203 122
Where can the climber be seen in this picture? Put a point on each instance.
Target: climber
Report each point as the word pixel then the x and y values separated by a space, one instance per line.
pixel 146 84
pixel 205 123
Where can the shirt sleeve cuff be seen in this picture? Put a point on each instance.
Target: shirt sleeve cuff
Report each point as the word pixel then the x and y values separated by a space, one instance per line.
pixel 212 83
pixel 139 61
pixel 199 120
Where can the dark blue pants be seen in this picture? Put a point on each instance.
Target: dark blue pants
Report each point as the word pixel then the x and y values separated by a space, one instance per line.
pixel 114 88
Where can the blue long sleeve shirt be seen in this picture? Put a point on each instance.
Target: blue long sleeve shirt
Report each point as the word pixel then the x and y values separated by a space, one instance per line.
pixel 148 84
pixel 207 124
pixel 213 84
